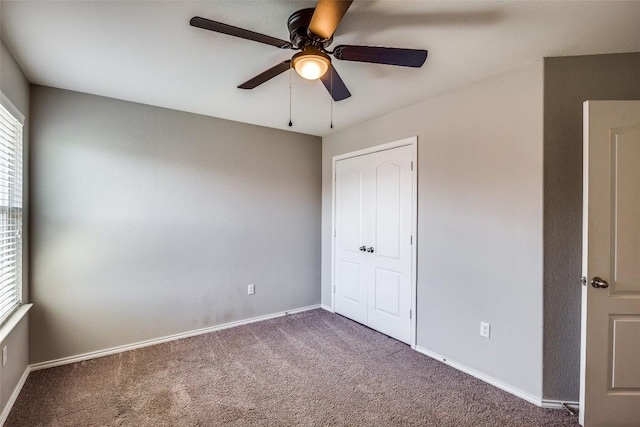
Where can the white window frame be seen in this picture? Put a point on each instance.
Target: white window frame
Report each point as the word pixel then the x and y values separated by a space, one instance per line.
pixel 11 200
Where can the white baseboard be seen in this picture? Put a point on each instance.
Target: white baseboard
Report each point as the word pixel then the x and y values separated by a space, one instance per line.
pixel 294 311
pixel 14 396
pixel 494 382
pixel 326 307
pixel 154 341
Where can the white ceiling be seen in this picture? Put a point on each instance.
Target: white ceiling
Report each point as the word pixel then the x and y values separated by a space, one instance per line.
pixel 146 51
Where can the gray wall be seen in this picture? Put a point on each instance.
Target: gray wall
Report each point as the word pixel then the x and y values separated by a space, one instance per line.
pixel 15 87
pixel 149 222
pixel 568 82
pixel 479 221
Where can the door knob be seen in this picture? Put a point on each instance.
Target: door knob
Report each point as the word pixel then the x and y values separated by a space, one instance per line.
pixel 370 249
pixel 363 248
pixel 597 282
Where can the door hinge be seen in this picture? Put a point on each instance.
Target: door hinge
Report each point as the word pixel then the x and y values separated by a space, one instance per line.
pixel 583 281
pixel 410 314
pixel 411 165
pixel 334 232
pixel 411 240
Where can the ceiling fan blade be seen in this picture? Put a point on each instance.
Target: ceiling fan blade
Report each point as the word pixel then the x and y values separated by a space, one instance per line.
pixel 327 17
pixel 381 55
pixel 267 75
pixel 219 27
pixel 334 84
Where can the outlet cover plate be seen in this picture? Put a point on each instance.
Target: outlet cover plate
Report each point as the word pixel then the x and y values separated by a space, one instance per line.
pixel 251 289
pixel 485 329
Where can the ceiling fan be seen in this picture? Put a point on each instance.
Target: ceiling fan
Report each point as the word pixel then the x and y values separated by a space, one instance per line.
pixel 311 32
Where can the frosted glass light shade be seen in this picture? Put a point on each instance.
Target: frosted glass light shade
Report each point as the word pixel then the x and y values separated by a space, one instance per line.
pixel 311 64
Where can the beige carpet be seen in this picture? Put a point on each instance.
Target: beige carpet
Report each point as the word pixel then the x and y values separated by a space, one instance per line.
pixel 310 369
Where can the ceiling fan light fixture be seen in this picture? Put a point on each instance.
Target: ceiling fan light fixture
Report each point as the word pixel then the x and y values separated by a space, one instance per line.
pixel 311 63
pixel 311 30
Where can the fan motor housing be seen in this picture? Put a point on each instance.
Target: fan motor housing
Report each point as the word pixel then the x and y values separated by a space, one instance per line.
pixel 298 25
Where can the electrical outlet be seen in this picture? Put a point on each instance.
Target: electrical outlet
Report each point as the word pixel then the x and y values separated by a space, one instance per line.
pixel 485 329
pixel 251 289
pixel 5 355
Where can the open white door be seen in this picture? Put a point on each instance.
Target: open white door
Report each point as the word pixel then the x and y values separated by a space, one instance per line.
pixel 610 341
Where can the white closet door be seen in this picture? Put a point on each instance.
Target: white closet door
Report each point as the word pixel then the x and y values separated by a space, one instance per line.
pixel 390 290
pixel 373 240
pixel 351 263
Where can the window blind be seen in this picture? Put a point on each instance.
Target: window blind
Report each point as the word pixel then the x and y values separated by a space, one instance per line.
pixel 10 210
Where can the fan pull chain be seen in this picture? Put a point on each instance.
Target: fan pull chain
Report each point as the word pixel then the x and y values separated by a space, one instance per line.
pixel 290 122
pixel 331 102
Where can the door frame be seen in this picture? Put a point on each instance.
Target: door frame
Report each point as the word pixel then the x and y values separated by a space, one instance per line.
pixel 413 143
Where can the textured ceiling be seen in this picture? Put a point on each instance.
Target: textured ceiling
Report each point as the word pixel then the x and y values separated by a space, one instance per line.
pixel 145 51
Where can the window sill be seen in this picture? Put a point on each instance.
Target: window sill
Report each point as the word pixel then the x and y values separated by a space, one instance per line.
pixel 15 318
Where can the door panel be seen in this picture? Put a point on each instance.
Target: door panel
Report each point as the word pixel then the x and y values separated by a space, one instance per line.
pixel 626 204
pixel 387 292
pixel 351 209
pixel 610 340
pixel 350 274
pixel 388 210
pixel 626 336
